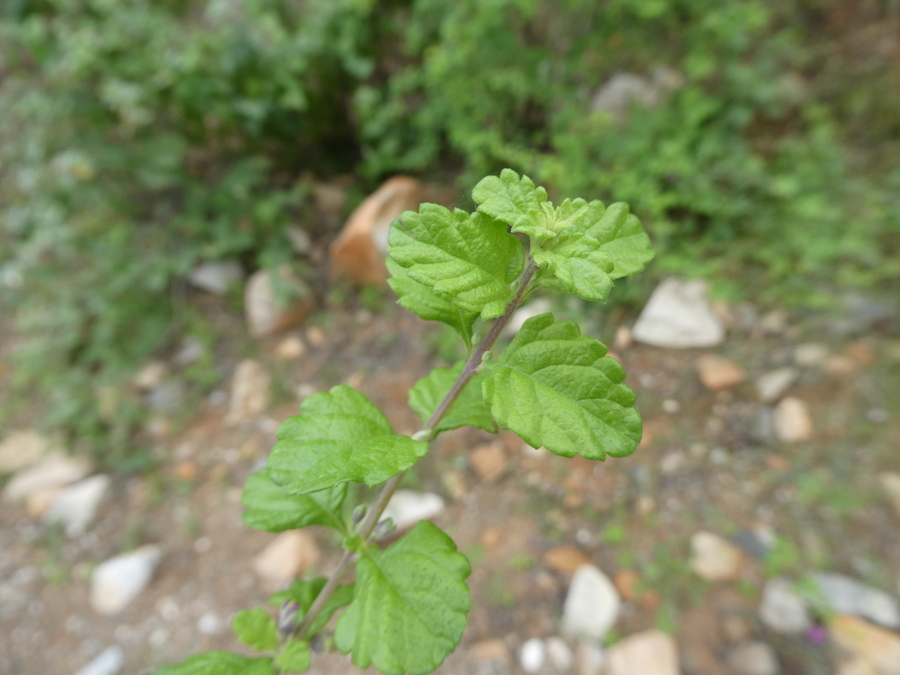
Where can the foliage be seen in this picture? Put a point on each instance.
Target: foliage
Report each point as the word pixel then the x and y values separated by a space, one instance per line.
pixel 406 610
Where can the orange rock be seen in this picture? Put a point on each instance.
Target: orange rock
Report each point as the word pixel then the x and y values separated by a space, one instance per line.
pixel 629 585
pixel 491 650
pixel 491 537
pixel 565 559
pixel 867 644
pixel 186 470
pixel 488 461
pixel 718 374
pixel 359 251
pixel 861 353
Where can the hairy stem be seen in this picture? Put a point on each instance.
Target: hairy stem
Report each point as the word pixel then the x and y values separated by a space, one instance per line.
pixel 389 488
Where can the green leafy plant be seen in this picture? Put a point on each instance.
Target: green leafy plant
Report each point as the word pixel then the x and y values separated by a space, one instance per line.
pixel 406 610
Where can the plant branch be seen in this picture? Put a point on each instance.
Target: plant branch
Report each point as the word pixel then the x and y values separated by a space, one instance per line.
pixel 374 514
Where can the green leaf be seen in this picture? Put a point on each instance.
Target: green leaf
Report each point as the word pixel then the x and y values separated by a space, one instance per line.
pixel 219 663
pixel 557 389
pixel 304 592
pixel 409 609
pixel 515 201
pixel 294 658
pixel 256 628
pixel 425 303
pixel 270 508
pixel 468 409
pixel 339 437
pixel 471 260
pixel 622 238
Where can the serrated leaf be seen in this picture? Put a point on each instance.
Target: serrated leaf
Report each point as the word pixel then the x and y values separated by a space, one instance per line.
pixel 219 663
pixel 268 507
pixel 468 409
pixel 294 658
pixel 409 609
pixel 559 390
pixel 622 238
pixel 305 591
pixel 575 264
pixel 514 200
pixel 339 437
pixel 256 628
pixel 426 304
pixel 471 260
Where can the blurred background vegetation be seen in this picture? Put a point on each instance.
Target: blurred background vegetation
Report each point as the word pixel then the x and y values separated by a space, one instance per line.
pixel 758 141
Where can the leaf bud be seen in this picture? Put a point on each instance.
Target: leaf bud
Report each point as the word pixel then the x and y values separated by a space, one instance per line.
pixel 288 617
pixel 383 529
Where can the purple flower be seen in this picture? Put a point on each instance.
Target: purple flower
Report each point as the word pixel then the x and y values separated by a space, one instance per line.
pixel 817 634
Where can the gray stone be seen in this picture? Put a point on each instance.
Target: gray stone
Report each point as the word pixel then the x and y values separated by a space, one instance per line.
pixel 407 508
pixel 649 653
pixel 150 375
pixel 189 352
pixel 753 658
pixel 810 354
pixel 533 656
pixel 250 392
pixel 624 89
pixel 299 239
pixel 592 604
pixel 168 398
pixel 589 658
pixel 76 506
pixel 119 580
pixel 772 385
pixel 53 472
pixel 109 662
pixel 679 315
pixel 782 610
pixel 217 276
pixel 21 449
pixel 559 655
pixel 849 596
pixel 762 429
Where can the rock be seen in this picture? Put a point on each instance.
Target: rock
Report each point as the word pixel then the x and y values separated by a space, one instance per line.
pixel 267 310
pixel 810 354
pixel 770 386
pixel 407 508
pixel 592 604
pixel 300 241
pixel 845 595
pixel 109 662
pixel 290 348
pixel 736 629
pixel 678 315
pixel 890 483
pixel 250 392
pixel 76 505
pixel 774 322
pixel 565 559
pixel 762 429
pixel 559 655
pixel 624 89
pixel 21 449
pixel 209 624
pixel 753 658
pixel 840 365
pixel 189 352
pixel 285 558
pixel 491 651
pixel 360 250
pixel 649 653
pixel 53 472
pixel 150 376
pixel 792 421
pixel 525 312
pixel 718 374
pixel 217 276
pixel 119 580
pixel 488 461
pixel 589 658
pixel 623 338
pixel 167 398
pixel 714 558
pixel 533 655
pixel 629 586
pixel 875 650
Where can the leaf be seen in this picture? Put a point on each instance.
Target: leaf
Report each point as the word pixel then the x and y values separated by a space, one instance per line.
pixel 304 592
pixel 468 409
pixel 426 304
pixel 294 658
pixel 623 239
pixel 339 437
pixel 219 663
pixel 471 260
pixel 256 628
pixel 557 389
pixel 515 201
pixel 409 609
pixel 270 508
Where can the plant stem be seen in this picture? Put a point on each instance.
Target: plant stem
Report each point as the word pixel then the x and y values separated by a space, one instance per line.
pixel 374 514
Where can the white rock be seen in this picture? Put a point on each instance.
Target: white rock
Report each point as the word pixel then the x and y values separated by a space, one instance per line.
pixel 624 89
pixel 290 348
pixel 678 315
pixel 250 392
pixel 849 596
pixel 21 449
pixel 407 508
pixel 649 653
pixel 533 656
pixel 263 307
pixel 53 472
pixel 890 483
pixel 592 604
pixel 119 580
pixel 217 276
pixel 286 557
pixel 810 354
pixel 150 376
pixel 76 505
pixel 109 662
pixel 521 315
pixel 589 658
pixel 559 655
pixel 792 421
pixel 209 624
pixel 753 658
pixel 782 610
pixel 714 558
pixel 299 238
pixel 773 384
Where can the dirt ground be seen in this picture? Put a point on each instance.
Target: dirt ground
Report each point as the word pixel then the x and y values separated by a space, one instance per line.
pixel 702 466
